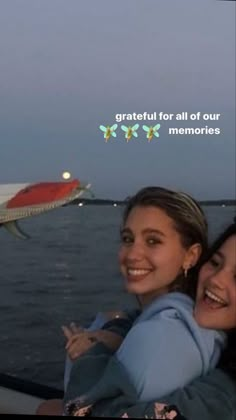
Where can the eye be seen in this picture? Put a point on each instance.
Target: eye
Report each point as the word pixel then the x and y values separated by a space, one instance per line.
pixel 126 239
pixel 153 241
pixel 214 262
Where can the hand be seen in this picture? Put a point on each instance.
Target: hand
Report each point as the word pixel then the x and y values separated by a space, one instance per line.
pixel 78 340
pixel 79 343
pixel 72 330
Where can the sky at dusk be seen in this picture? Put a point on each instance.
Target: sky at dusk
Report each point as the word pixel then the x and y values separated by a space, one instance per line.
pixel 67 67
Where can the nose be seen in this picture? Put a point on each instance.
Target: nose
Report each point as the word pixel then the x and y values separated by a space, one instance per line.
pixel 220 279
pixel 134 252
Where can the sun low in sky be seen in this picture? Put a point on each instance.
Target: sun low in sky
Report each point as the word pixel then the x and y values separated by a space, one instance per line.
pixel 66 175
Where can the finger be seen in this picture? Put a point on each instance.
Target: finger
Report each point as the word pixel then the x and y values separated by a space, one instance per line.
pixel 80 345
pixel 73 339
pixel 76 328
pixel 67 332
pixel 74 351
pixel 73 355
pixel 76 343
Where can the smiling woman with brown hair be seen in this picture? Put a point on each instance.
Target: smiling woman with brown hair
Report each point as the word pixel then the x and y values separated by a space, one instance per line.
pixel 167 238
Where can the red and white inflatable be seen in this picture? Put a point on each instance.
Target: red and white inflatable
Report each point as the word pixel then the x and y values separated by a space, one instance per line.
pixel 18 201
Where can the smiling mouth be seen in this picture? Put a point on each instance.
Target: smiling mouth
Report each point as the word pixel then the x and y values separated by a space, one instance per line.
pixel 138 272
pixel 213 300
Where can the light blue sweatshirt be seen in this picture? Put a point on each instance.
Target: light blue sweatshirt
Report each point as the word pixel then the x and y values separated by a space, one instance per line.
pixel 166 349
pixel 163 351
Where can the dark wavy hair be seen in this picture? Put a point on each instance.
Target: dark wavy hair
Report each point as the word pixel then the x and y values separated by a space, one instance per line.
pixel 188 219
pixel 228 358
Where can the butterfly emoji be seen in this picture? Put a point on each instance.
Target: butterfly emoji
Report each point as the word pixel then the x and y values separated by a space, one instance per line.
pixel 130 131
pixel 151 131
pixel 108 131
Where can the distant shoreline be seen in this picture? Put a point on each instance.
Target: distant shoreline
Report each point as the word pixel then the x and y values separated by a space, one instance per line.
pixel 100 201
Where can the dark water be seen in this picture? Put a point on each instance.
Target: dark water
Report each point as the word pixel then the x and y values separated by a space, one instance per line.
pixel 67 272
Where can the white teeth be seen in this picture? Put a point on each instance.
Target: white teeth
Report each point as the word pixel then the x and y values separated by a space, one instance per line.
pixel 214 297
pixel 137 272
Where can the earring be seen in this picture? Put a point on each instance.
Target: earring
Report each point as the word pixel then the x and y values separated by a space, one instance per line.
pixel 186 271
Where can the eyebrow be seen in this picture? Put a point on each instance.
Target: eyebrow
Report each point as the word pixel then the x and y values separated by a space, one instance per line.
pixel 221 255
pixel 147 230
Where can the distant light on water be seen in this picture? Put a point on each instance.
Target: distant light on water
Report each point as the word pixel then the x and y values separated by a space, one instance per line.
pixel 66 175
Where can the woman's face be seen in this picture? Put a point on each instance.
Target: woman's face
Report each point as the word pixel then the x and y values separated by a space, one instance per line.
pixel 216 295
pixel 151 254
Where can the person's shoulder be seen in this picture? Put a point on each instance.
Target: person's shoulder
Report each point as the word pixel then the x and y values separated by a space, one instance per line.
pixel 172 305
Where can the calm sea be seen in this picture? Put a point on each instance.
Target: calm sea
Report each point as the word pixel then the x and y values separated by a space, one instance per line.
pixel 67 272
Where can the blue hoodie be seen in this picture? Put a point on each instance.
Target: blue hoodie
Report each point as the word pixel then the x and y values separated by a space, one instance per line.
pixel 164 350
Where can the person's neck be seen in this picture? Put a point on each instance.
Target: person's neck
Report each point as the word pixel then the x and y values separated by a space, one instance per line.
pixel 147 298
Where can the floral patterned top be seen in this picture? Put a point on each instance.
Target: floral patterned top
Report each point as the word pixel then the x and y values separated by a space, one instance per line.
pixel 163 411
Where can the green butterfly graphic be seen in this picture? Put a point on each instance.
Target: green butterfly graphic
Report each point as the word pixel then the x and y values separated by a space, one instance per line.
pixel 108 131
pixel 151 131
pixel 130 131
